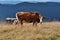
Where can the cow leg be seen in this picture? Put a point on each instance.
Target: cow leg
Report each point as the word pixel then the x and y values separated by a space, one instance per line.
pixel 15 22
pixel 18 22
pixel 21 22
pixel 34 23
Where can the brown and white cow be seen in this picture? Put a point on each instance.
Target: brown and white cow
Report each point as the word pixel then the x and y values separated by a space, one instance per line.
pixel 29 17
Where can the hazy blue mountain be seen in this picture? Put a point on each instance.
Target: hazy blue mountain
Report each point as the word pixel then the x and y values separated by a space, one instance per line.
pixel 49 9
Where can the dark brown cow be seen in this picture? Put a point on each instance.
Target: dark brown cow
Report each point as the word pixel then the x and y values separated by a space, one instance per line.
pixel 29 17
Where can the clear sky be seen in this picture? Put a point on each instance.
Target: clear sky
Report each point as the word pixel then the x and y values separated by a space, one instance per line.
pixel 17 1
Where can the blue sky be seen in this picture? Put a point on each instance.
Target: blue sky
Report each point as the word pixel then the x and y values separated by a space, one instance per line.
pixel 17 1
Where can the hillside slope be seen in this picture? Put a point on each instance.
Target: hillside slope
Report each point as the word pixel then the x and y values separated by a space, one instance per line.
pixel 49 9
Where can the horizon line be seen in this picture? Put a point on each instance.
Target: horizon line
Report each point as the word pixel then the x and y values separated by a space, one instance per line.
pixel 17 2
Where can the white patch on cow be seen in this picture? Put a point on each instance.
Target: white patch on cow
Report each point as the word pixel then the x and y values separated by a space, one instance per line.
pixel 41 19
pixel 10 18
pixel 7 18
pixel 17 18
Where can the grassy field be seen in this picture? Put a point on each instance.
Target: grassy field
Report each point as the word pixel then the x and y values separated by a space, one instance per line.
pixel 45 31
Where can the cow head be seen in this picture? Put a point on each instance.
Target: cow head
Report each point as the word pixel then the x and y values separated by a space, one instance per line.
pixel 41 19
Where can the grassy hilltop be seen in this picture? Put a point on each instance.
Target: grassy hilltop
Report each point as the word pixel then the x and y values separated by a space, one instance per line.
pixel 45 31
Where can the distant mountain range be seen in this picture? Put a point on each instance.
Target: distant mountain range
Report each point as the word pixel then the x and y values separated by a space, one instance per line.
pixel 49 9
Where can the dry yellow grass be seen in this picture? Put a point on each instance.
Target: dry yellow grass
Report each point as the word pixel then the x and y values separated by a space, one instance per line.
pixel 45 31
